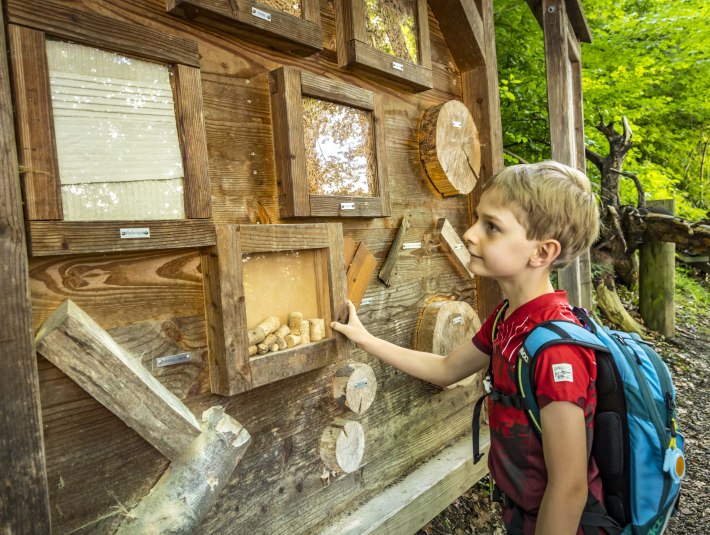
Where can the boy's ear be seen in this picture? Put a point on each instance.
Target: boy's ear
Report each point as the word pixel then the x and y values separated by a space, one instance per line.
pixel 546 253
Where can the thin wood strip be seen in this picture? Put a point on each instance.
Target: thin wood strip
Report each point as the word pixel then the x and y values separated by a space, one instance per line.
pixel 191 130
pixel 226 321
pixel 267 238
pixel 423 41
pixel 331 205
pixel 462 26
pixel 338 287
pixel 574 49
pixel 359 272
pixel 454 247
pixel 79 237
pixel 413 77
pixel 273 367
pixel 72 341
pixel 33 103
pixel 381 154
pixel 324 88
pixel 59 20
pixel 388 266
pixel 349 248
pixel 24 496
pixel 287 124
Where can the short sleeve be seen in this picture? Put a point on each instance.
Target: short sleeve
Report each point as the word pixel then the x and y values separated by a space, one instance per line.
pixel 483 339
pixel 564 373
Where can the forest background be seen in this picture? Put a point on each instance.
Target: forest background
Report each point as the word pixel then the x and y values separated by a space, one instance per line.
pixel 649 62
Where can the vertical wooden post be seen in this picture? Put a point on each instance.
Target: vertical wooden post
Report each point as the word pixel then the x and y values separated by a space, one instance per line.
pixel 657 280
pixel 24 500
pixel 564 101
pixel 480 94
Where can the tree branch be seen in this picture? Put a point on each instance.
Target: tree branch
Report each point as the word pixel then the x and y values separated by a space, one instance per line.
pixel 511 153
pixel 641 203
pixel 595 158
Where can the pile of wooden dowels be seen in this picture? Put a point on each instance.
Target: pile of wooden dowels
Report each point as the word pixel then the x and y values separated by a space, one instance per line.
pixel 270 335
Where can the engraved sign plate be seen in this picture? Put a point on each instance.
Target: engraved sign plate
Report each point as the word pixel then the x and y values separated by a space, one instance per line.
pixel 398 66
pixel 412 245
pixel 347 206
pixel 456 124
pixel 261 14
pixel 366 301
pixel 134 233
pixel 457 320
pixel 179 358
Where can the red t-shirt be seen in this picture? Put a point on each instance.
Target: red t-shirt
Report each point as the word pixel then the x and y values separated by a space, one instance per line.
pixel 563 373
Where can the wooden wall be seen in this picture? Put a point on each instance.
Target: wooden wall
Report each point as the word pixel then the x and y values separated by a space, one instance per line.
pixel 153 304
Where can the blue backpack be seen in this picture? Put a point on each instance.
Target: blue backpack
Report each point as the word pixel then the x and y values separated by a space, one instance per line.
pixel 637 446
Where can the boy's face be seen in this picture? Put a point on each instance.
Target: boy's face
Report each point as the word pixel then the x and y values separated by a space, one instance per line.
pixel 497 241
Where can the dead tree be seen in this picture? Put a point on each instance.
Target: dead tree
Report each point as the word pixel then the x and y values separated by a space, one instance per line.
pixel 625 227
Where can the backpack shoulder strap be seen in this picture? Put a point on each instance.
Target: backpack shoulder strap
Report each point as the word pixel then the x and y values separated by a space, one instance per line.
pixel 545 335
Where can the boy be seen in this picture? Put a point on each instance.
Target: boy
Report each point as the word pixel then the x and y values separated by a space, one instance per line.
pixel 530 220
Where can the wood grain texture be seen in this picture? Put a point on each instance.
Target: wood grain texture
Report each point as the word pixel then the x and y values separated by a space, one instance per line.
pixel 24 496
pixel 462 26
pixel 283 31
pixel 359 272
pixel 388 265
pixel 355 386
pixel 191 132
pixel 78 346
pixel 454 247
pixel 59 20
pixel 82 237
pixel 37 150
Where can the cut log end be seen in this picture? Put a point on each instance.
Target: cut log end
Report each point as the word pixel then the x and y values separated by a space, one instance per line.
pixel 355 386
pixel 342 446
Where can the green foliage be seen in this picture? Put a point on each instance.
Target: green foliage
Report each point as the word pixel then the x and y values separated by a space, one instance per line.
pixel 691 293
pixel 650 62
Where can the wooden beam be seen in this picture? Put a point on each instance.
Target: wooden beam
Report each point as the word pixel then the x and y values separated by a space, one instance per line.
pixel 480 94
pixel 578 20
pixel 24 498
pixel 410 503
pixel 388 265
pixel 72 341
pixel 462 26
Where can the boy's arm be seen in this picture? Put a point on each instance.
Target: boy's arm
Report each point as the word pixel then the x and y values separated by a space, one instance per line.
pixel 440 370
pixel 564 443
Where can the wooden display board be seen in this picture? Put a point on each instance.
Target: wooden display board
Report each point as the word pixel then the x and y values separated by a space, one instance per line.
pixel 232 368
pixel 357 40
pixel 299 33
pixel 49 233
pixel 289 87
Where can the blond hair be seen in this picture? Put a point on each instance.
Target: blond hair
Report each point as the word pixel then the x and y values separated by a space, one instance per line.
pixel 552 201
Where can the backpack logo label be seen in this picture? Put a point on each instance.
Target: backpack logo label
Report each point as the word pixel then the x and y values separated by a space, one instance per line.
pixel 562 373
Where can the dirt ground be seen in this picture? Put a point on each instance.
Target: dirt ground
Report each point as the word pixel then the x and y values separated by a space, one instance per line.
pixel 688 356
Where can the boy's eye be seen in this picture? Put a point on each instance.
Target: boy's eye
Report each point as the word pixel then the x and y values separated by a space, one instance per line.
pixel 490 226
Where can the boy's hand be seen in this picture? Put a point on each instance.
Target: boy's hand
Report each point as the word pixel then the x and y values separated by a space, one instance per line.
pixel 354 329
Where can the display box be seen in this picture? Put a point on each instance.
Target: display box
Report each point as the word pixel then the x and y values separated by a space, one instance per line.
pixel 120 160
pixel 263 283
pixel 329 142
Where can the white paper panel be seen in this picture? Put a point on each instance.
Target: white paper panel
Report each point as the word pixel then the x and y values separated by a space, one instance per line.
pixel 147 199
pixel 114 116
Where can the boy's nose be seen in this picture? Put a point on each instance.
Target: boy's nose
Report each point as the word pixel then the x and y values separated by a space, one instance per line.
pixel 469 235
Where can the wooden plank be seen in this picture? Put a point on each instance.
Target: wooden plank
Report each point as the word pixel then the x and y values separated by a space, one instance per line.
pixel 388 265
pixel 24 496
pixel 272 367
pixel 383 180
pixel 423 37
pixel 191 131
pixel 78 346
pixel 406 506
pixel 59 20
pixel 454 247
pixel 284 237
pixel 359 272
pixel 33 103
pixel 462 26
pixel 79 237
pixel 480 94
pixel 226 335
pixel 380 66
pixel 273 28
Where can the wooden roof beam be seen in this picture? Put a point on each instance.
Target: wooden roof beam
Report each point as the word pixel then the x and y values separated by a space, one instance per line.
pixel 575 12
pixel 462 26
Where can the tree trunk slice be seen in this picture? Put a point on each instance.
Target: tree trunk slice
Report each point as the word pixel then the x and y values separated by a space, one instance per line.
pixel 355 386
pixel 445 325
pixel 342 445
pixel 449 148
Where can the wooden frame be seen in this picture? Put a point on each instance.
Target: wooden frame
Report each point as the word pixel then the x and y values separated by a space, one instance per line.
pixel 48 233
pixel 288 86
pixel 231 369
pixel 254 21
pixel 355 53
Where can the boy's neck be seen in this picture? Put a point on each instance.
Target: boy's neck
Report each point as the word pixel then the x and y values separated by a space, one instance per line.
pixel 519 292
